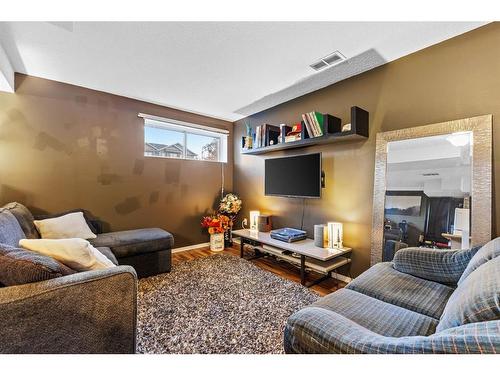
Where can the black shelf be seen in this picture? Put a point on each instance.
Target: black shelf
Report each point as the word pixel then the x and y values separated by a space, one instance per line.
pixel 359 132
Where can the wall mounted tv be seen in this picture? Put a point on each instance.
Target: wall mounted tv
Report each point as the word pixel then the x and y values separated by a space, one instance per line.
pixel 294 176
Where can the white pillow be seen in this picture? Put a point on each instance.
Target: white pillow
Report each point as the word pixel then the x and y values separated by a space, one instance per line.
pixel 75 253
pixel 71 225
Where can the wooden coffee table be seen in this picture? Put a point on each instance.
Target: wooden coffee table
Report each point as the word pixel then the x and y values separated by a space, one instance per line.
pixel 302 253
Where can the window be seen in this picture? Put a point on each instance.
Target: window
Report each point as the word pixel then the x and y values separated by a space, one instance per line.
pixel 174 139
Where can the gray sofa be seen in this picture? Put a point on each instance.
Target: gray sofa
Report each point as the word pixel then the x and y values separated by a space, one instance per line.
pixel 425 301
pixel 60 311
pixel 87 312
pixel 148 250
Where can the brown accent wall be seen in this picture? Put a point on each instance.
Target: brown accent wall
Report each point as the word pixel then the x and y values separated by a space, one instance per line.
pixel 64 146
pixel 455 79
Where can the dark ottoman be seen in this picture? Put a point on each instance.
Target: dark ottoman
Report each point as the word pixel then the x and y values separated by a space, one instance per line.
pixel 148 250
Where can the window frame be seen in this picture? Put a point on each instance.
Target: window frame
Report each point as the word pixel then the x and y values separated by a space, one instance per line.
pixel 186 128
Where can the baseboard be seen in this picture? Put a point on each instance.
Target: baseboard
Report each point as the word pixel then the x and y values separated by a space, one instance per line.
pixel 335 275
pixel 190 247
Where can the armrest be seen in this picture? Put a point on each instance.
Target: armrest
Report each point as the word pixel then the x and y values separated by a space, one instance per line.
pixel 87 312
pixel 442 266
pixel 321 331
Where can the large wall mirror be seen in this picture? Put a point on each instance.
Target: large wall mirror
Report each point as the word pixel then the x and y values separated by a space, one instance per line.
pixel 432 187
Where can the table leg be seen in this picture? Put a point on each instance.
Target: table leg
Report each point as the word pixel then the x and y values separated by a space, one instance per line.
pixel 303 269
pixel 242 245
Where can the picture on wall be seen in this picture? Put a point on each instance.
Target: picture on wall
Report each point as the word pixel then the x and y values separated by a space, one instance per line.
pixel 404 205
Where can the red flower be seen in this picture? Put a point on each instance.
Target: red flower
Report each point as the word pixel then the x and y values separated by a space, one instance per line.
pixel 215 223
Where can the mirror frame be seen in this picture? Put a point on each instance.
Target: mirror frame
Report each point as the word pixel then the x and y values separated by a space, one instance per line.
pixel 481 184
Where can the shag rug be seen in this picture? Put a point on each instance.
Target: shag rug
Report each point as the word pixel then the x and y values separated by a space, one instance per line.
pixel 217 304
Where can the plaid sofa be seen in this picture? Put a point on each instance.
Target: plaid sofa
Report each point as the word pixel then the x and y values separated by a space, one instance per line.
pixel 425 301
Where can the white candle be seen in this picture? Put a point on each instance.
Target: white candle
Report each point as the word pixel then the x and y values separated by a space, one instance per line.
pixel 254 220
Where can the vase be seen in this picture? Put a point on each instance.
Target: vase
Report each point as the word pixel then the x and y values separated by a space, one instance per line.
pixel 228 237
pixel 217 242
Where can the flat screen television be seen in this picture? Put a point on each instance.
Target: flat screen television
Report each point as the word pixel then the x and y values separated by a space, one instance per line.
pixel 294 176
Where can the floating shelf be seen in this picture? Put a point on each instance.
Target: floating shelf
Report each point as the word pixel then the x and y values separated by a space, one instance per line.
pixel 359 132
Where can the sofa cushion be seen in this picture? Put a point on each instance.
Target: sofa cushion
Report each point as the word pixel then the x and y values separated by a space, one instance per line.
pixel 377 316
pixel 91 221
pixel 71 225
pixel 10 230
pixel 383 282
pixel 106 251
pixel 24 218
pixel 133 242
pixel 487 252
pixel 442 266
pixel 316 330
pixel 477 298
pixel 19 266
pixel 75 253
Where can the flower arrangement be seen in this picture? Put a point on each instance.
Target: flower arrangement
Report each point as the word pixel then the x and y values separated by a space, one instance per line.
pixel 215 223
pixel 230 205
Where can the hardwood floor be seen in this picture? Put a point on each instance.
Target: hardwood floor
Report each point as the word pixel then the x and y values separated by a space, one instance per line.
pixel 280 268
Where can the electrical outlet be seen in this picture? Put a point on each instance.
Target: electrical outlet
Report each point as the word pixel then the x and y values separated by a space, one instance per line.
pixel 244 222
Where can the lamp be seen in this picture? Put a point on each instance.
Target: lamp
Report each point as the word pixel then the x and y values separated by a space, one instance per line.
pixel 461 225
pixel 254 220
pixel 335 234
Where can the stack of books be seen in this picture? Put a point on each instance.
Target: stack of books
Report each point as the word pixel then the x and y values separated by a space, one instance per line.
pixel 314 124
pixel 267 135
pixel 295 134
pixel 284 130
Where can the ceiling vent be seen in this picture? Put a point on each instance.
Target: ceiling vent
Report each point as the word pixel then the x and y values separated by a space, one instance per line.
pixel 430 174
pixel 329 60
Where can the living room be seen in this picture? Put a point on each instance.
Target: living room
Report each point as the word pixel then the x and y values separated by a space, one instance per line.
pixel 164 189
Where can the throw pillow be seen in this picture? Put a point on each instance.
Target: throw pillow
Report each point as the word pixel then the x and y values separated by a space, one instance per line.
pixel 19 266
pixel 72 225
pixel 477 298
pixel 487 252
pixel 75 253
pixel 10 230
pixel 90 220
pixel 24 217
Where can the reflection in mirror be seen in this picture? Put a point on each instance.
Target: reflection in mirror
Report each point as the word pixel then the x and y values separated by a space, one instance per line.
pixel 428 193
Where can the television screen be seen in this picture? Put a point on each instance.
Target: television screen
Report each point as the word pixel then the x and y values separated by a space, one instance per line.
pixel 294 176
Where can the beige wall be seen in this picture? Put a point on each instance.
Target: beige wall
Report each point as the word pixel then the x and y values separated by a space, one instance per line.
pixel 455 79
pixel 63 146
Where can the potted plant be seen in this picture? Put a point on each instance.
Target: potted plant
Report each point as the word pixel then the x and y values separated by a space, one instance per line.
pixel 216 225
pixel 229 206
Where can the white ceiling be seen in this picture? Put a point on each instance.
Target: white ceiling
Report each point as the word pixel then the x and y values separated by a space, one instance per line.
pixel 212 68
pixel 429 164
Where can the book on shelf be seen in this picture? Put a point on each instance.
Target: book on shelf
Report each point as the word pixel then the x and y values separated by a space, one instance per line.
pixel 295 134
pixel 293 138
pixel 284 129
pixel 307 125
pixel 271 135
pixel 266 135
pixel 314 123
pixel 319 121
pixel 312 126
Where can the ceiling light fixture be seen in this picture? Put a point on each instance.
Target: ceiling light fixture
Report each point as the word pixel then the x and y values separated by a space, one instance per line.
pixel 459 139
pixel 329 60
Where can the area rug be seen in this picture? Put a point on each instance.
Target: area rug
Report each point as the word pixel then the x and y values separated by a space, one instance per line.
pixel 217 304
